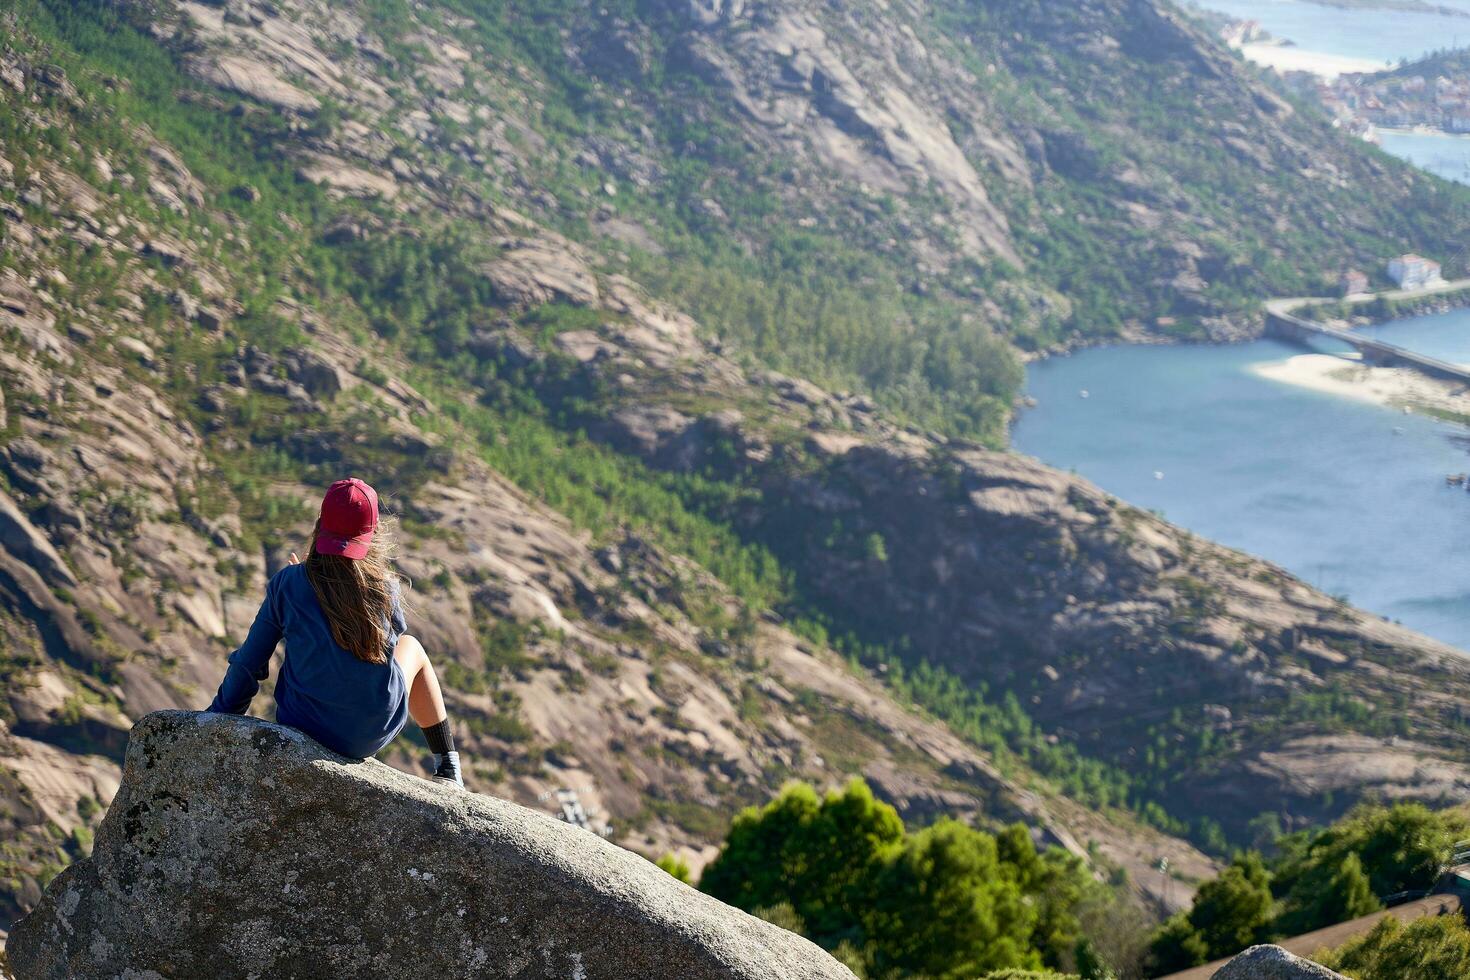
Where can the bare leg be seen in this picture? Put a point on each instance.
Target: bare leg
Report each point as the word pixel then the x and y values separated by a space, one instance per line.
pixel 425 699
pixel 426 708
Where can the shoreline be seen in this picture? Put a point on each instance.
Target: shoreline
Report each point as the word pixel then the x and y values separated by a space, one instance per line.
pixel 1340 375
pixel 1285 58
pixel 1393 388
pixel 1376 309
pixel 1422 129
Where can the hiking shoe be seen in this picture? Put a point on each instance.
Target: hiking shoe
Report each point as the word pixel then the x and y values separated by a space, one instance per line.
pixel 446 769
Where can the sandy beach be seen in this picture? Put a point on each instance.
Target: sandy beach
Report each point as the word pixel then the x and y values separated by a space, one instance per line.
pixel 1286 58
pixel 1347 377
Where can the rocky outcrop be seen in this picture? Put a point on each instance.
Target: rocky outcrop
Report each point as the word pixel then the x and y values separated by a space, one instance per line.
pixel 1273 963
pixel 258 82
pixel 239 848
pixel 21 538
pixel 794 75
pixel 531 272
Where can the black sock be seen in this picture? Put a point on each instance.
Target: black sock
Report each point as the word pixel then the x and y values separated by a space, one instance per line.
pixel 439 737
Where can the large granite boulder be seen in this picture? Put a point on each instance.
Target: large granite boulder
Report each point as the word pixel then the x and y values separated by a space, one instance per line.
pixel 1273 963
pixel 236 848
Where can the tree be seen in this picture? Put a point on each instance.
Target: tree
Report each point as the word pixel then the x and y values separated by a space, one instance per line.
pixel 1320 878
pixel 1348 893
pixel 1090 963
pixel 1061 885
pixel 1229 913
pixel 1399 848
pixel 948 901
pixel 1177 946
pixel 1232 911
pixel 676 866
pixel 946 907
pixel 815 854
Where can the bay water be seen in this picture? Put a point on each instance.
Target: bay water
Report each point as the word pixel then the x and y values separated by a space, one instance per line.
pixel 1374 33
pixel 1349 496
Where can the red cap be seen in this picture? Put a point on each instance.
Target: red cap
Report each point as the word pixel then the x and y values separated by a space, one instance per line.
pixel 349 518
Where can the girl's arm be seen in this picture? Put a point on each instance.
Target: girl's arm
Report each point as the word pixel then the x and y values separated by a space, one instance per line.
pixel 251 663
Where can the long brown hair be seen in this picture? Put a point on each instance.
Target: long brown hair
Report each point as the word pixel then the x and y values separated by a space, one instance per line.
pixel 357 594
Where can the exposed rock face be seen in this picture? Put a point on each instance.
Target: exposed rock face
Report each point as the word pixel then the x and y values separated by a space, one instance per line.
pixel 1273 963
pixel 530 272
pixel 239 848
pixel 21 538
pixel 257 81
pixel 793 76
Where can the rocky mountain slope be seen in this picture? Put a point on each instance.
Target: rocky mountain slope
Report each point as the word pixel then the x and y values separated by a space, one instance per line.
pixel 870 199
pixel 250 247
pixel 168 424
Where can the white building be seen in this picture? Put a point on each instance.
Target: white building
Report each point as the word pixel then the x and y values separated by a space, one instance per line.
pixel 1414 271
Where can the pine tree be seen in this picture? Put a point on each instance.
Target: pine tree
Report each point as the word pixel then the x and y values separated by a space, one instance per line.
pixel 1349 893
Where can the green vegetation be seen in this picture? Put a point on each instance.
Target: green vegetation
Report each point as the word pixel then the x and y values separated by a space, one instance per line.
pixel 1003 728
pixel 1229 913
pixel 947 901
pixel 1431 948
pixel 675 866
pixel 824 311
pixel 1399 849
pixel 1315 879
pixel 1384 308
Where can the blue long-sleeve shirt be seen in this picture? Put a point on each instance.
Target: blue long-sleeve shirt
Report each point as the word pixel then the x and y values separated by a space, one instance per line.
pixel 349 705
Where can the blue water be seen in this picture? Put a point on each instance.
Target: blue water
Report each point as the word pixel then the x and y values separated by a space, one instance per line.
pixel 1439 153
pixel 1382 35
pixel 1349 496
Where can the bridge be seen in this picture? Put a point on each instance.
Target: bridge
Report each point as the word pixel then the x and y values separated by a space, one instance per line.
pixel 1283 323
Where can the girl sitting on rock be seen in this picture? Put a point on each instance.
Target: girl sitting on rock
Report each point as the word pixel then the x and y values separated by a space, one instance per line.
pixel 351 676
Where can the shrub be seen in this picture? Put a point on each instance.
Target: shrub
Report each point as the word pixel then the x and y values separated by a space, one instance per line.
pixel 1435 948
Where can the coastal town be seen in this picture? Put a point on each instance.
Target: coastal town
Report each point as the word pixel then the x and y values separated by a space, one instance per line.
pixel 1400 99
pixel 1431 94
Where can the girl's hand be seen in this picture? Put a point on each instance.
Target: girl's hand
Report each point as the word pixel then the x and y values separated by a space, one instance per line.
pixel 294 560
